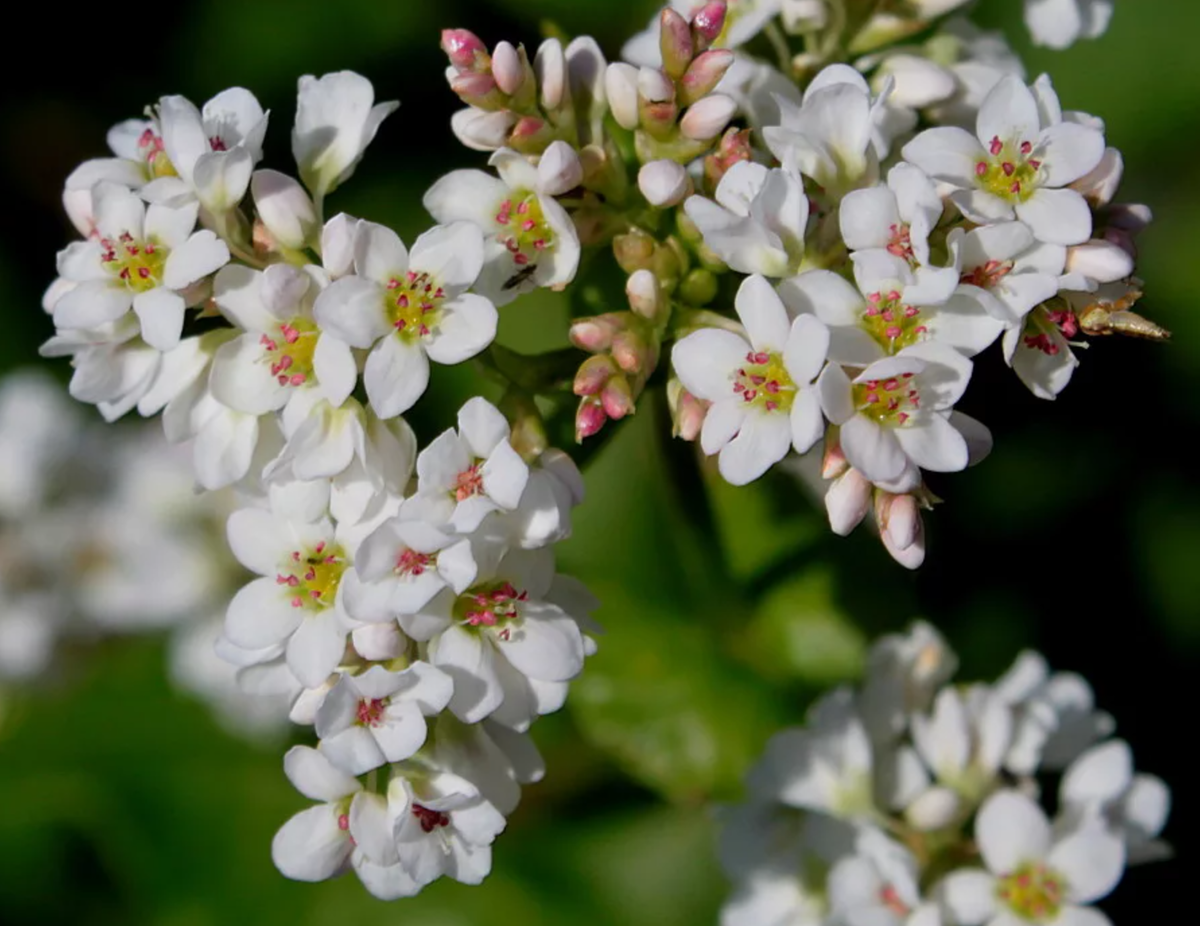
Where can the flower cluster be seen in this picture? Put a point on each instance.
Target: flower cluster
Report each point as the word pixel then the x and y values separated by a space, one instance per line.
pixel 916 803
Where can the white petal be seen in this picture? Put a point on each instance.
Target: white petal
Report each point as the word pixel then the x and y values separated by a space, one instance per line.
pixel 311 846
pixel 353 750
pixel 1057 216
pixel 705 361
pixel 202 254
pixel 451 254
pixel 379 254
pixel 481 426
pixel 92 304
pixel 171 226
pixel 969 896
pixel 867 218
pixel 160 312
pixel 804 353
pixel 1092 860
pixel 547 648
pixel 221 178
pixel 807 422
pixel 762 442
pixel 1010 113
pixel 260 616
pixel 313 776
pixel 395 376
pixel 467 326
pixel 1069 151
pixel 316 647
pixel 466 195
pixel 1100 775
pixel 872 450
pixel 371 828
pixel 762 312
pixel 947 153
pixel 933 444
pixel 352 309
pixel 467 659
pixel 258 539
pixel 721 424
pixel 505 475
pixel 824 294
pixel 834 390
pixel 1011 829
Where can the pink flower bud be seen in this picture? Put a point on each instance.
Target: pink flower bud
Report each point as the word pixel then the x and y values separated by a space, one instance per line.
pixel 621 87
pixel 507 68
pixel 472 86
pixel 593 374
pixel 589 419
pixel 663 183
pixel 550 66
pixel 596 334
pixel 284 207
pixel 707 118
pixel 645 297
pixel 632 353
pixel 733 147
pixel 834 462
pixel 1102 261
pixel 898 518
pixel 654 86
pixel 465 50
pixel 707 24
pixel 529 135
pixel 675 43
pixel 689 415
pixel 481 130
pixel 847 501
pixel 705 73
pixel 617 398
pixel 559 170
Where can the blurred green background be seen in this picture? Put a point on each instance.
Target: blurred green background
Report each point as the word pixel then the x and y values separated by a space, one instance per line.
pixel 123 802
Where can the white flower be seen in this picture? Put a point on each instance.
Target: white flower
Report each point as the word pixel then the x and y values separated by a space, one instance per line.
pixel 494 758
pixel 895 415
pixel 896 218
pixel 140 158
pixel 1061 23
pixel 1032 876
pixel 379 716
pixel 760 385
pixel 878 885
pixel 983 58
pixel 543 516
pixel 758 221
pixel 1101 784
pixel 284 208
pixel 38 427
pixel 114 368
pixel 532 241
pixel 965 739
pixel 903 672
pixel 469 473
pixel 1004 270
pixel 1038 350
pixel 409 308
pixel 509 646
pixel 1020 162
pixel 143 258
pixel 335 121
pixel 744 19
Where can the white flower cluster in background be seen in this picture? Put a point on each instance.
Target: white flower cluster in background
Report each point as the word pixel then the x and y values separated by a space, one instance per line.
pixel 914 802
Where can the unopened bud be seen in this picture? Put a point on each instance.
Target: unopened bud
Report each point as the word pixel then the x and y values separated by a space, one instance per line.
pixel 634 250
pixel 465 50
pixel 550 66
pixel 481 130
pixel 687 411
pixel 643 293
pixel 708 118
pixel 663 183
pixel 530 135
pixel 654 86
pixel 595 334
pixel 559 170
pixel 699 287
pixel 1100 186
pixel 632 352
pixel 379 642
pixel 707 24
pixel 934 809
pixel 733 148
pixel 917 81
pixel 475 88
pixel 1102 261
pixel 528 434
pixel 593 374
pixel 284 207
pixel 617 398
pixel 833 462
pixel 705 73
pixel 675 43
pixel 621 86
pixel 337 245
pixel 847 501
pixel 912 556
pixel 507 68
pixel 589 419
pixel 898 518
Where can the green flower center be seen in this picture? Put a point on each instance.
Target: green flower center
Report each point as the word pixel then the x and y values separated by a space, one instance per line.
pixel 310 577
pixel 524 230
pixel 136 263
pixel 892 324
pixel 414 304
pixel 764 382
pixel 888 401
pixel 494 604
pixel 1033 892
pixel 291 354
pixel 1009 171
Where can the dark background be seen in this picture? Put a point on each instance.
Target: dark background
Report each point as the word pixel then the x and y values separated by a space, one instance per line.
pixel 122 802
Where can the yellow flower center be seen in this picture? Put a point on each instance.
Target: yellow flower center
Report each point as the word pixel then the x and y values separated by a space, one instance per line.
pixel 413 303
pixel 493 604
pixel 291 353
pixel 1033 892
pixel 1010 170
pixel 310 577
pixel 136 263
pixel 151 147
pixel 525 231
pixel 764 382
pixel 893 325
pixel 888 401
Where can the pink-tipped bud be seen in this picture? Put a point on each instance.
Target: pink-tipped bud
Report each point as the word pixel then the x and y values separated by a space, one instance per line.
pixel 733 147
pixel 595 334
pixel 705 73
pixel 912 556
pixel 654 86
pixel 631 352
pixel 663 183
pixel 621 87
pixel 688 412
pixel 708 118
pixel 1102 261
pixel 465 49
pixel 529 135
pixel 644 294
pixel 617 398
pixel 593 374
pixel 481 130
pixel 898 519
pixel 507 68
pixel 834 462
pixel 473 86
pixel 284 207
pixel 559 170
pixel 589 419
pixel 550 66
pixel 847 501
pixel 675 43
pixel 707 24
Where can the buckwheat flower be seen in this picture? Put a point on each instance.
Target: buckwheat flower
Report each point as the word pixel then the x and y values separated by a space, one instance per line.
pixel 494 758
pixel 144 259
pixel 1019 163
pixel 509 648
pixel 409 308
pixel 1005 270
pixel 543 515
pixel 1038 349
pixel 982 59
pixel 895 415
pixel 1101 784
pixel 1060 24
pixel 473 471
pixel 888 308
pixel 379 716
pixel 963 741
pixel 743 20
pixel 316 843
pixel 213 150
pixel 113 368
pixel 903 673
pixel 758 222
pixel 878 885
pixel 760 385
pixel 335 121
pixel 1032 875
pixel 532 241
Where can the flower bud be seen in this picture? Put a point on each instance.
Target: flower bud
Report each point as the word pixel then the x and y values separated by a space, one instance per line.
pixel 847 501
pixel 1100 186
pixel 589 419
pixel 481 130
pixel 643 293
pixel 593 374
pixel 379 642
pixel 550 66
pixel 705 73
pixel 617 398
pixel 935 809
pixel 507 68
pixel 707 118
pixel 284 207
pixel 804 15
pixel 476 89
pixel 898 519
pixel 733 147
pixel 596 333
pixel 632 353
pixel 634 250
pixel 465 50
pixel 530 135
pixel 699 287
pixel 1102 261
pixel 919 82
pixel 663 183
pixel 559 170
pixel 912 556
pixel 675 43
pixel 687 412
pixel 654 86
pixel 528 434
pixel 337 245
pixel 621 86
pixel 707 24
pixel 833 462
